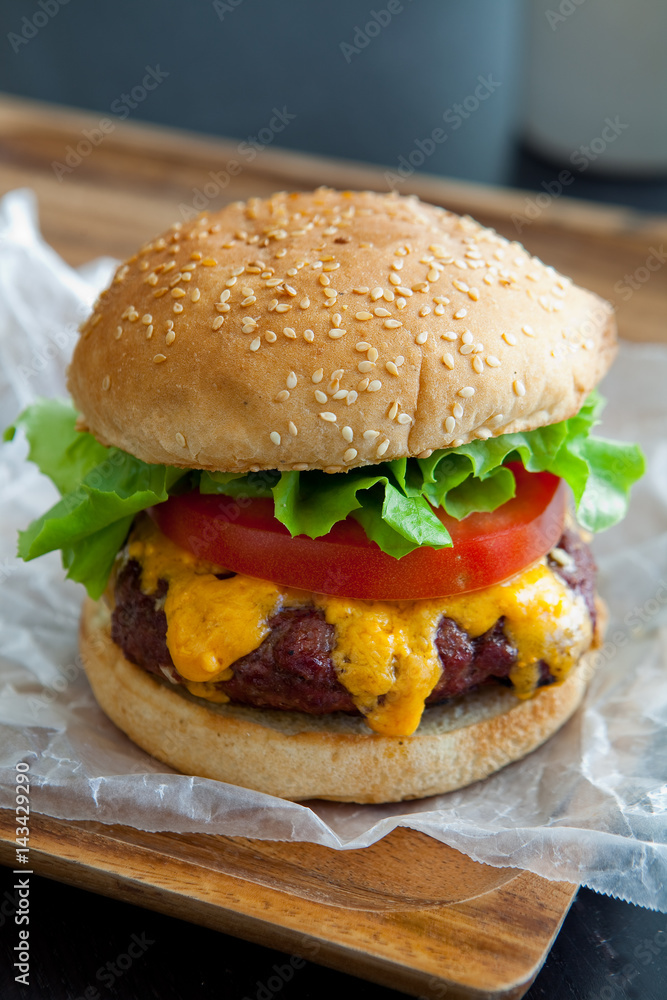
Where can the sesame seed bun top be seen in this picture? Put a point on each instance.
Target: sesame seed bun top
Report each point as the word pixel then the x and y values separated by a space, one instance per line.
pixel 330 330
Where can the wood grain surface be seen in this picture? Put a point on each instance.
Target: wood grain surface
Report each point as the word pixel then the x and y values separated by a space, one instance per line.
pixel 407 912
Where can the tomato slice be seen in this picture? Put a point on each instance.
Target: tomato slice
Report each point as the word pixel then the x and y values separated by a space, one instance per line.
pixel 244 536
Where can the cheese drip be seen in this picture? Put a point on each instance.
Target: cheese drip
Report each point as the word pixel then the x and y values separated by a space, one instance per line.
pixel 385 655
pixel 211 623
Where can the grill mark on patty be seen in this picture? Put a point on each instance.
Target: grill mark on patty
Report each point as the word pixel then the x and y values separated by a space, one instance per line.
pixel 293 670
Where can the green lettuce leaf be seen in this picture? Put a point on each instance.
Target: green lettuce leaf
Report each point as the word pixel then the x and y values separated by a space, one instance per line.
pixel 103 488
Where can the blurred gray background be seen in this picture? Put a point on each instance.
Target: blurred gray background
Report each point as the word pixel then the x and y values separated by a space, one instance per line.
pixel 363 81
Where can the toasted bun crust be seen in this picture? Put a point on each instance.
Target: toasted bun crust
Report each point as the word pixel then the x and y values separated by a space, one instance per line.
pixel 236 341
pixel 297 756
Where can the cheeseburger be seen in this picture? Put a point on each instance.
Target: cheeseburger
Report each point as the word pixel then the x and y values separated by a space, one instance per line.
pixel 322 480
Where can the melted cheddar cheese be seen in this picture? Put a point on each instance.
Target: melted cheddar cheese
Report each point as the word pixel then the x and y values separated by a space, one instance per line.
pixel 385 655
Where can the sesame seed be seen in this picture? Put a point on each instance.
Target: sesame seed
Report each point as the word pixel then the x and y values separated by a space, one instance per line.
pixel 365 366
pixel 320 396
pixel 330 293
pixel 195 295
pixel 394 279
pixel 457 410
pixel 492 361
pixel 292 428
pixel 466 349
pixel 425 311
pixel 283 307
pixel 528 330
pixel 340 394
pixel 273 282
pixel 304 303
pixel 422 337
pixel 289 332
pixel 519 387
pixel 498 419
pixel 371 435
pixel 510 339
pixel 275 437
pixel 467 337
pixel 282 396
pixel 483 434
pixel 254 344
pixel 361 290
pixel 106 382
pixel 338 374
pixel 177 293
pixel 329 417
pixel 119 332
pixel 363 385
pixel 318 375
pixel 381 448
pixel 397 265
pixel 388 295
pixel 195 255
pixel 404 418
pixel 177 307
pixel 248 300
pixel 478 364
pixel 381 311
pixel 147 319
pixel 291 380
pixel 448 360
pixel 336 334
pixel 159 358
pixel 336 319
pixel 323 280
pixel 376 293
pixel 363 315
pixel 460 285
pixel 467 391
pixel 351 397
pixel 401 303
pixel 459 314
pixel 217 323
pixel 433 275
pixel 270 337
pixel 290 290
pixel 209 262
pixel 392 324
pixel 309 336
pixel 450 424
pixel 170 337
pixel 348 434
pixel 362 346
pixel 391 368
pixel 375 385
pixel 350 455
pixel 393 410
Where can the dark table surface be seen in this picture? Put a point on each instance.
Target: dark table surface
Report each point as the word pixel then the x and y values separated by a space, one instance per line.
pixel 607 949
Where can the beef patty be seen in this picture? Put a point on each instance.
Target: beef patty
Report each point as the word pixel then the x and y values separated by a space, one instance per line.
pixel 293 669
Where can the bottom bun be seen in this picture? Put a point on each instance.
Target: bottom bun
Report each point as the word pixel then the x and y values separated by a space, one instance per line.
pixel 298 756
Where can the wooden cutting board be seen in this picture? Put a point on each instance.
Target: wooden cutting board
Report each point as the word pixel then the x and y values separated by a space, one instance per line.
pixel 408 912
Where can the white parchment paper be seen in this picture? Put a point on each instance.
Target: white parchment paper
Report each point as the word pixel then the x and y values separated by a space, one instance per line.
pixel 590 806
